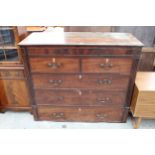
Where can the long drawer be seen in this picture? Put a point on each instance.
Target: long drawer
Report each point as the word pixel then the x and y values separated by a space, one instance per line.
pixel 107 65
pixel 54 65
pixel 79 97
pixel 93 81
pixel 84 114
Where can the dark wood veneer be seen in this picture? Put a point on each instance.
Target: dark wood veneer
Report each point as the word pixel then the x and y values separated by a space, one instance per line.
pixel 79 97
pixel 54 65
pixel 87 81
pixel 84 114
pixel 107 65
pixel 47 51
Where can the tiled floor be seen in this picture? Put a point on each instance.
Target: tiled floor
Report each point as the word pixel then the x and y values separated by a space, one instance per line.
pixel 24 120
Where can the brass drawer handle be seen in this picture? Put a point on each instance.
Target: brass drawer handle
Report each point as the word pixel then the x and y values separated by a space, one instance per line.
pixel 105 100
pixel 55 82
pixel 104 81
pixel 102 65
pixel 101 116
pixel 54 65
pixel 106 65
pixel 58 115
pixel 60 98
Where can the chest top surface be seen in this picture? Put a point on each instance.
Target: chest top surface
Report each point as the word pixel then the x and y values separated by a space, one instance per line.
pixel 80 39
pixel 145 81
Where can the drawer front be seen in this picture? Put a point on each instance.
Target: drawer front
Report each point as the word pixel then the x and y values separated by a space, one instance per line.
pixel 107 65
pixel 145 104
pixel 81 114
pixel 146 98
pixel 52 51
pixel 147 111
pixel 54 65
pixel 105 82
pixel 79 97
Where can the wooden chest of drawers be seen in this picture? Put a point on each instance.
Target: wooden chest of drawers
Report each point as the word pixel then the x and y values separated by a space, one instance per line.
pixel 81 76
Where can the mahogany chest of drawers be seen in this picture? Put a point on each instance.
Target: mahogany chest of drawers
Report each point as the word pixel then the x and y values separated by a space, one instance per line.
pixel 85 77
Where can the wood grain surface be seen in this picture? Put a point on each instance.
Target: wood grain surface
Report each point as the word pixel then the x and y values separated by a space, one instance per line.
pixel 81 38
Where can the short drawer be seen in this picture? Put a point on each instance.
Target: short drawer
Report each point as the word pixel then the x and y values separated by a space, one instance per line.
pixel 107 65
pixel 79 97
pixel 144 111
pixel 146 98
pixel 106 82
pixel 143 105
pixel 54 65
pixel 82 114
